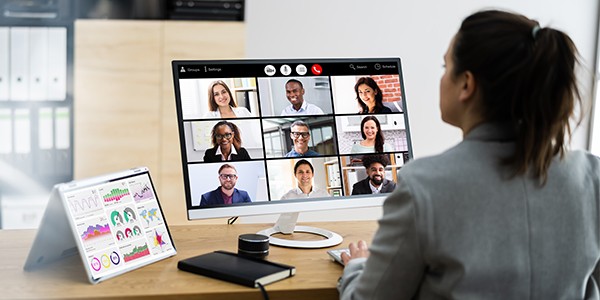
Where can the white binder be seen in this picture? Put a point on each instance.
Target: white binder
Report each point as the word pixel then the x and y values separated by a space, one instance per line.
pixel 57 63
pixel 38 63
pixel 19 63
pixel 4 63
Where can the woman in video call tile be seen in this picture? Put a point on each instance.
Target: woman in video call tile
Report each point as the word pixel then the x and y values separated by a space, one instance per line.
pixel 227 144
pixel 304 172
pixel 369 97
pixel 373 141
pixel 221 102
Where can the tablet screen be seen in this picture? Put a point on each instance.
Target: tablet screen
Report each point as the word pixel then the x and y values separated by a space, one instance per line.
pixel 118 224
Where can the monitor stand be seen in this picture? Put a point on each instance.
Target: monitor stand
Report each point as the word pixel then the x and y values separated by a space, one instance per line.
pixel 286 224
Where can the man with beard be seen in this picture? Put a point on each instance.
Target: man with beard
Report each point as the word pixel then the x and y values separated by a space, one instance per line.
pixel 375 182
pixel 226 193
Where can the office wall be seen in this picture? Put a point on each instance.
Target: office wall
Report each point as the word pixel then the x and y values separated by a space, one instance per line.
pixel 416 31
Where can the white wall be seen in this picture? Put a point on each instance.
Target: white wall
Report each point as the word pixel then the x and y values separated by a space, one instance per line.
pixel 416 31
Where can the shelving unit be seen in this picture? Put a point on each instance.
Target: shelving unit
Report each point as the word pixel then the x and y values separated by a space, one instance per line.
pixel 332 175
pixel 36 120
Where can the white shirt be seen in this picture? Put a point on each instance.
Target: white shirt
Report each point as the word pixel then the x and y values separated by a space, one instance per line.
pixel 358 148
pixel 237 111
pixel 305 109
pixel 375 190
pixel 233 151
pixel 297 193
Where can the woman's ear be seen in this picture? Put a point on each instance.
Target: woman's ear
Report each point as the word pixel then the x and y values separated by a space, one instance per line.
pixel 469 87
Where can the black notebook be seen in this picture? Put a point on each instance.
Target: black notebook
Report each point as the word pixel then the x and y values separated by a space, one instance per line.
pixel 237 269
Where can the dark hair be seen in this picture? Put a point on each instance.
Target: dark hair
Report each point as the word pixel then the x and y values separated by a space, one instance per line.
pixel 378 94
pixel 379 140
pixel 296 81
pixel 237 137
pixel 368 160
pixel 212 104
pixel 303 162
pixel 526 76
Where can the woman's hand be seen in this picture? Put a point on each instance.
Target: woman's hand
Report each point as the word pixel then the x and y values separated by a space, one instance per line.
pixel 356 251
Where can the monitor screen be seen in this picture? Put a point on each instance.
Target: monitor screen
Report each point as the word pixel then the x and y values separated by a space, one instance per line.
pixel 276 136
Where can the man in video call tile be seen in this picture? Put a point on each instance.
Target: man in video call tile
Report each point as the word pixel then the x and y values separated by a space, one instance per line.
pixel 226 193
pixel 375 182
pixel 300 134
pixel 294 91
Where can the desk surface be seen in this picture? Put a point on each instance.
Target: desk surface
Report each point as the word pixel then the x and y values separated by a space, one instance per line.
pixel 316 275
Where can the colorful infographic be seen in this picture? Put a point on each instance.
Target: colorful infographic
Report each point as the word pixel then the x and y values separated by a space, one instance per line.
pixel 160 240
pixel 95 233
pixel 119 223
pixel 114 194
pixel 105 260
pixel 135 250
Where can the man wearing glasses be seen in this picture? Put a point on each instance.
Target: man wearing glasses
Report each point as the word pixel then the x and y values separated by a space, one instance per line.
pixel 300 135
pixel 226 193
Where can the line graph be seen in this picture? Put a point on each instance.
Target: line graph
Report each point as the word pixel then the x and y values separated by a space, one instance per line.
pixel 84 202
pixel 141 191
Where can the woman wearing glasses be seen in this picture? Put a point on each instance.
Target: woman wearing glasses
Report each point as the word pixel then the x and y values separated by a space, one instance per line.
pixel 221 103
pixel 227 144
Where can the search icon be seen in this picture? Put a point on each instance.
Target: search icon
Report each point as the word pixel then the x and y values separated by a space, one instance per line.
pixel 352 67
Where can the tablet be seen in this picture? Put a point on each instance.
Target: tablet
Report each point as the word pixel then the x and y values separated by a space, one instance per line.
pixel 113 221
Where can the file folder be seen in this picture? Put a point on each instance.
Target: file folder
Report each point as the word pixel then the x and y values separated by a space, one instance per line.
pixel 4 63
pixel 19 63
pixel 38 63
pixel 57 63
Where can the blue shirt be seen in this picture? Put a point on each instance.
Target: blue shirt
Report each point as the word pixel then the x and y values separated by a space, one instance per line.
pixel 293 153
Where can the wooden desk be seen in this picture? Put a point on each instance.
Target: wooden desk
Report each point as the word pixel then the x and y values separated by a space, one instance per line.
pixel 316 275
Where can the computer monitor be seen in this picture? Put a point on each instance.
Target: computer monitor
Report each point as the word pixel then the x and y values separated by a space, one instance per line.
pixel 290 135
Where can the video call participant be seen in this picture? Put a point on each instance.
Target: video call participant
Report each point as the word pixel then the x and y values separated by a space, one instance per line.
pixel 369 97
pixel 304 172
pixel 373 140
pixel 294 91
pixel 221 104
pixel 509 212
pixel 375 182
pixel 300 135
pixel 227 144
pixel 226 193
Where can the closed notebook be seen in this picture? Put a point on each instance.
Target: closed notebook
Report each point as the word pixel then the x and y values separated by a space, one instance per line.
pixel 237 269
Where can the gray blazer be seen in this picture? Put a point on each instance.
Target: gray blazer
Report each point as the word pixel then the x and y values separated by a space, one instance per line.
pixel 459 227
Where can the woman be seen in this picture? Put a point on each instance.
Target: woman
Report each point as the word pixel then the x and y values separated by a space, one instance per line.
pixel 221 104
pixel 304 172
pixel 227 144
pixel 373 141
pixel 508 213
pixel 369 97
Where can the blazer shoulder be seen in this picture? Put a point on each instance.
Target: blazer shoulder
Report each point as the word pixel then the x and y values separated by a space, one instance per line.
pixel 209 155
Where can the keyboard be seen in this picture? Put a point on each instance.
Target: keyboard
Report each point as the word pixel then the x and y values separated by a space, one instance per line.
pixel 336 254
